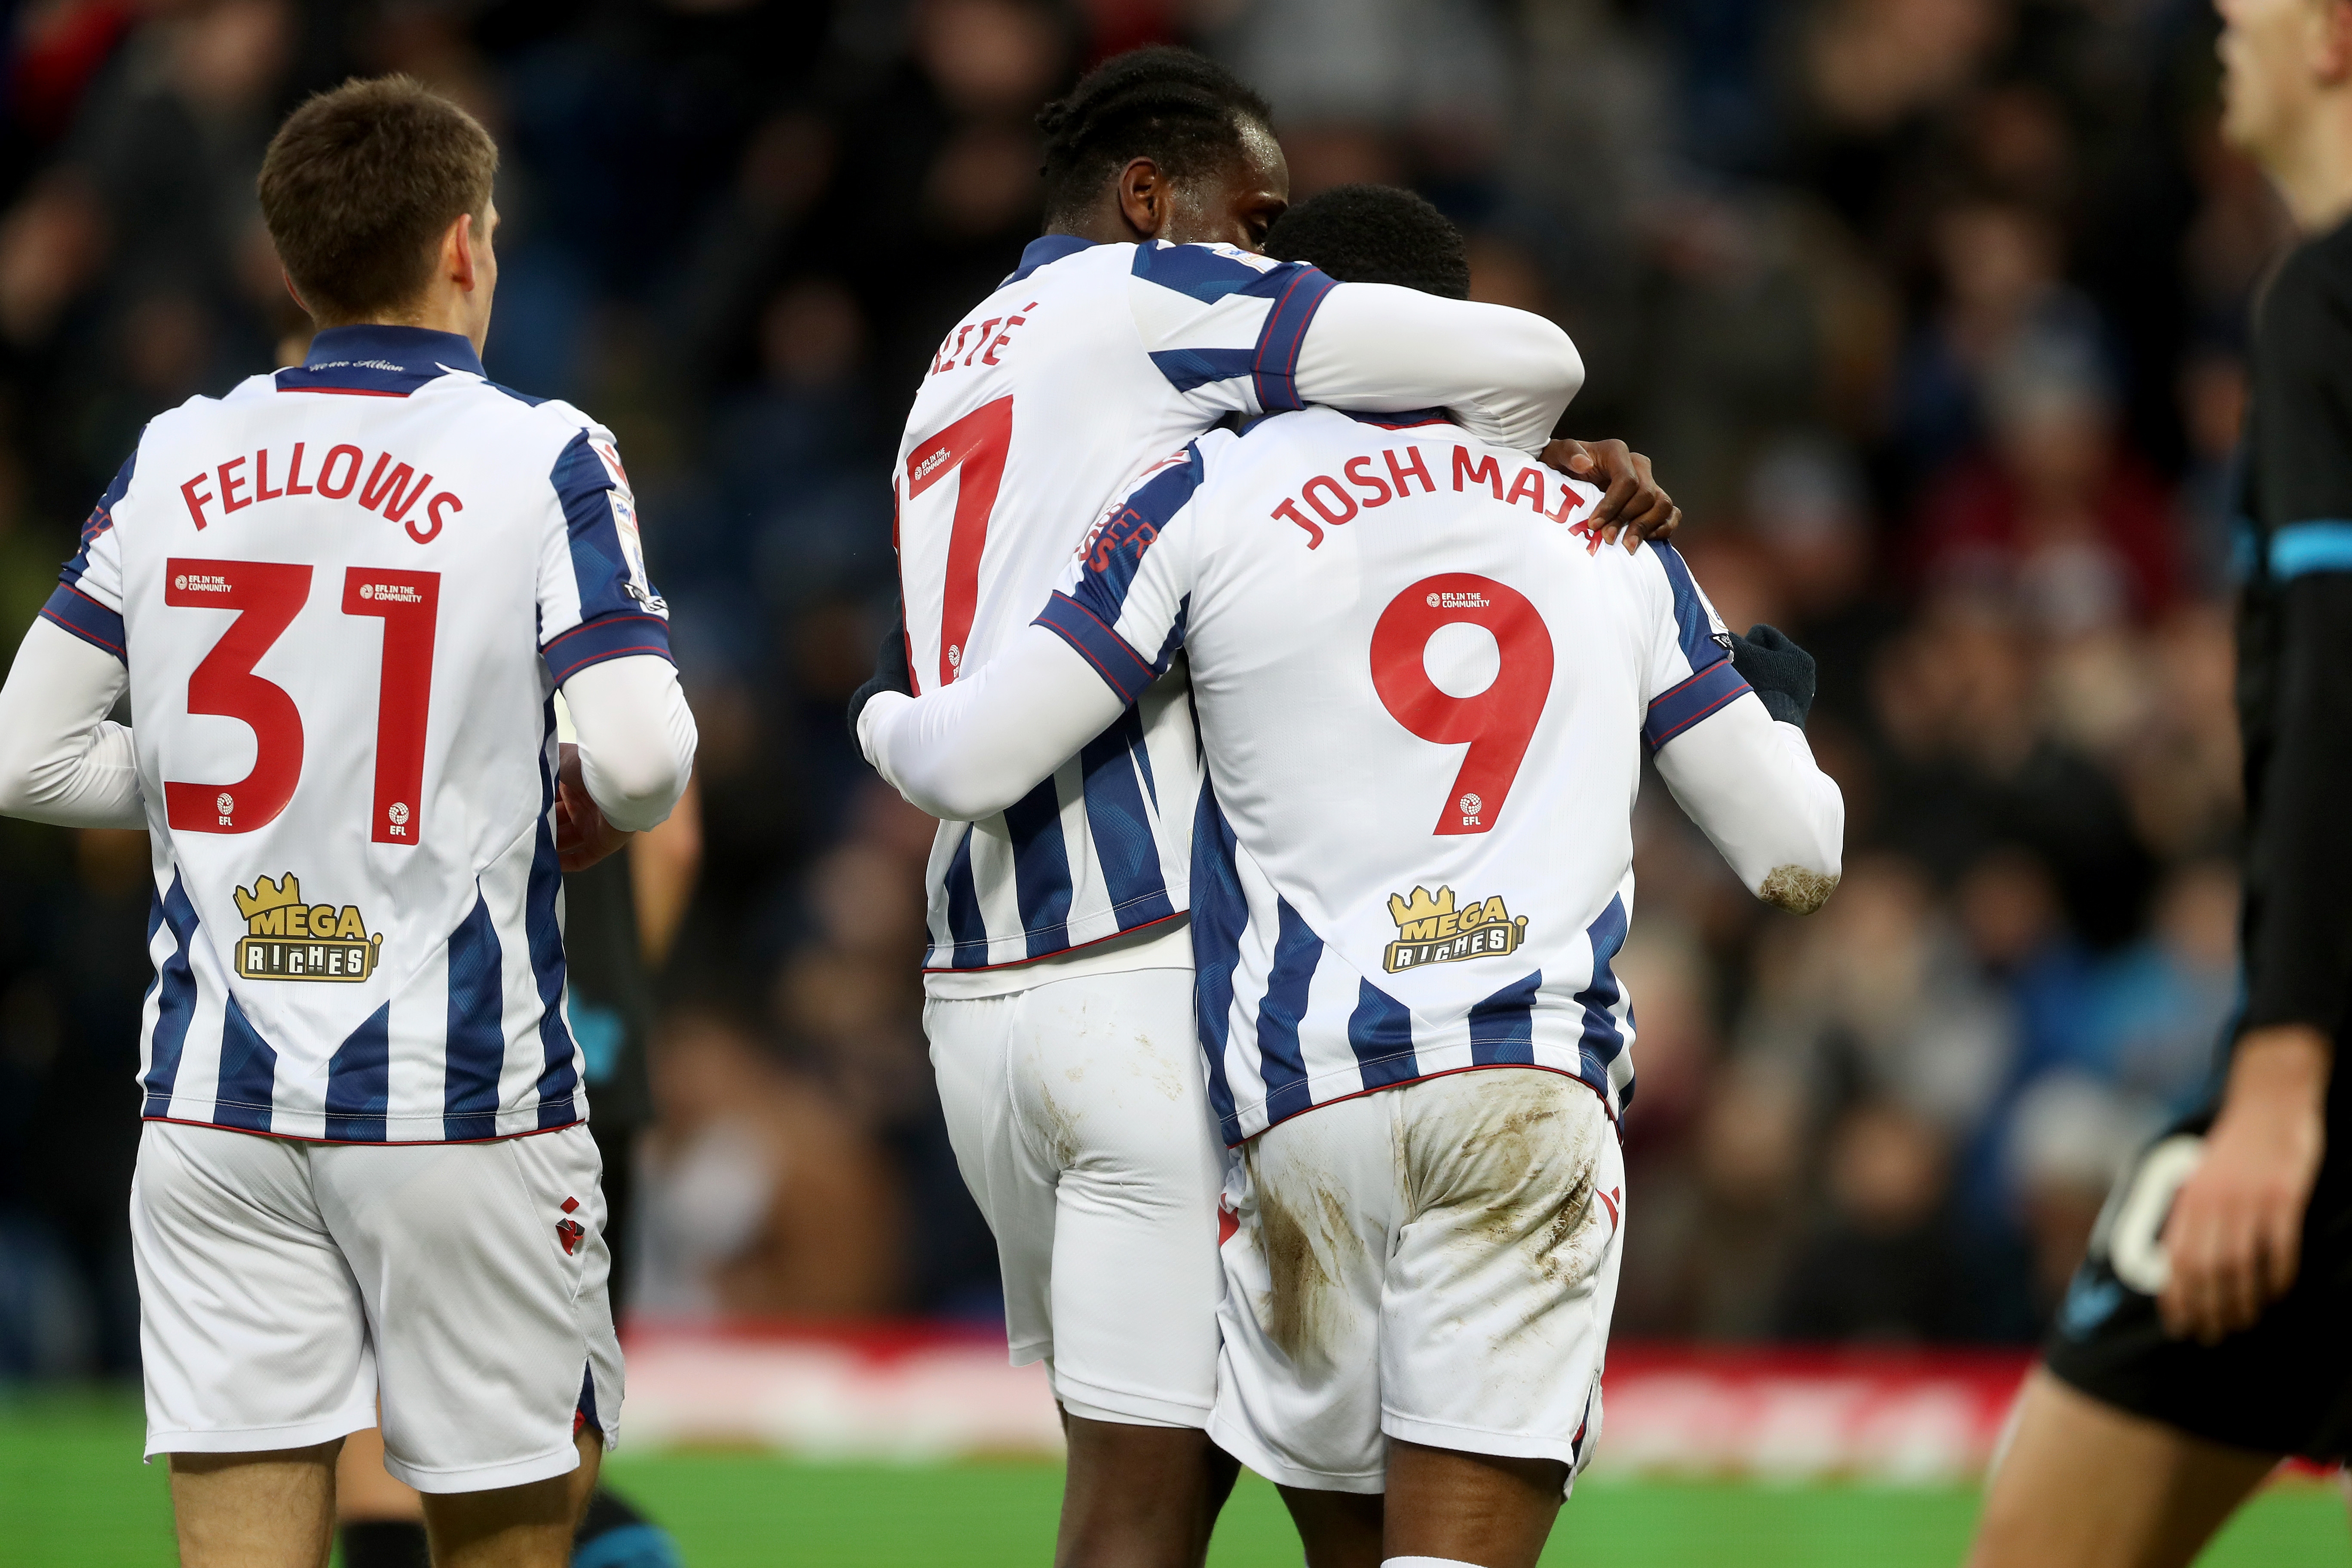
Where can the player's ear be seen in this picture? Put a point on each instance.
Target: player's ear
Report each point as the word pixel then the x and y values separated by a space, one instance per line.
pixel 2332 56
pixel 1143 197
pixel 457 251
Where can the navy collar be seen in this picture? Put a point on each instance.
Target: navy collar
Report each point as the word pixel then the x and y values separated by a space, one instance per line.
pixel 1046 249
pixel 379 360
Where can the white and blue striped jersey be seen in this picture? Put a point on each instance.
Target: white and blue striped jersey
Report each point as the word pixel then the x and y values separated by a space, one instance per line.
pixel 1039 410
pixel 346 594
pixel 1425 694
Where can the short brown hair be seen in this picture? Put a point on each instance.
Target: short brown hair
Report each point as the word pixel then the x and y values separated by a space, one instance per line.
pixel 358 186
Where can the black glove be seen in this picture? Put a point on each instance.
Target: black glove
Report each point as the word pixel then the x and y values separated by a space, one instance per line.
pixel 1781 671
pixel 889 672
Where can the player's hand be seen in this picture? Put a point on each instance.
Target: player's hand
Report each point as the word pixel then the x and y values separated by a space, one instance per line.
pixel 890 674
pixel 583 836
pixel 1630 498
pixel 2233 1238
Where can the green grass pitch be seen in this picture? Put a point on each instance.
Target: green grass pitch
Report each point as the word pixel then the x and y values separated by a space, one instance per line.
pixel 74 1495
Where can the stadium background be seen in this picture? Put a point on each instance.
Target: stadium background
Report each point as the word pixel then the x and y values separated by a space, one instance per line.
pixel 1932 313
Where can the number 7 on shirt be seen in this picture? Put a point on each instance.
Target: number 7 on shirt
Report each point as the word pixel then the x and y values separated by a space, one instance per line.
pixel 975 448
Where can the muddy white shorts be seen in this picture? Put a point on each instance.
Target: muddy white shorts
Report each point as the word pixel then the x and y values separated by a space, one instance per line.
pixel 1081 1122
pixel 283 1286
pixel 1435 1263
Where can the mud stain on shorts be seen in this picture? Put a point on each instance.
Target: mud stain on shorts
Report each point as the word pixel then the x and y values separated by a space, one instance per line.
pixel 1060 1129
pixel 1156 1070
pixel 1524 1182
pixel 1571 1240
pixel 1304 1300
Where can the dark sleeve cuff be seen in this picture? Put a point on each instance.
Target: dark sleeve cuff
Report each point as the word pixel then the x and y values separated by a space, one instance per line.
pixel 1121 668
pixel 1678 709
pixel 606 636
pixel 87 620
pixel 1275 370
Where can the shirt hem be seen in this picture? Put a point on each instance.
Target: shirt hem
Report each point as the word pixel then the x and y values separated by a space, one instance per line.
pixel 1241 1115
pixel 1075 947
pixel 363 1143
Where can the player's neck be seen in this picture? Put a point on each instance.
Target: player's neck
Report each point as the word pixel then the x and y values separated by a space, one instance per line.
pixel 442 310
pixel 1106 225
pixel 2314 170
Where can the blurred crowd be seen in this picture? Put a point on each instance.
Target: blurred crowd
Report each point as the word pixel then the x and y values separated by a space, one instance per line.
pixel 1931 311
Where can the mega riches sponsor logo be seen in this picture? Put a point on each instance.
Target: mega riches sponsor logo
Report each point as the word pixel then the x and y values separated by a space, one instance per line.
pixel 285 939
pixel 1432 931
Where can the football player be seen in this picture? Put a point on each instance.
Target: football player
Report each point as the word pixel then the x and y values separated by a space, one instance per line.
pixel 341 599
pixel 2203 1338
pixel 1425 685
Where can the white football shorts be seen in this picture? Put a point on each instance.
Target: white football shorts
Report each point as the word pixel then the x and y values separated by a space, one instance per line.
pixel 284 1286
pixel 1081 1122
pixel 1436 1263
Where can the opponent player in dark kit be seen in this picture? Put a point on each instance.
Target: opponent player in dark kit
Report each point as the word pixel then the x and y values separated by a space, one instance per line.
pixel 2205 1337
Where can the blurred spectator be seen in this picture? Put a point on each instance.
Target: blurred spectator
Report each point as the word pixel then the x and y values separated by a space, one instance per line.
pixel 2055 519
pixel 1877 997
pixel 760 1194
pixel 1890 1263
pixel 1717 1225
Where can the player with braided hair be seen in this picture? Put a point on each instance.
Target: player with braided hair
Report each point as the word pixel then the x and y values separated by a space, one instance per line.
pixel 1170 105
pixel 1059 971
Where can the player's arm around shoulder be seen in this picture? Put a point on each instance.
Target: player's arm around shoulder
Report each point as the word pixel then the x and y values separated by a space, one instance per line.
pixel 973 747
pixel 1506 374
pixel 1726 727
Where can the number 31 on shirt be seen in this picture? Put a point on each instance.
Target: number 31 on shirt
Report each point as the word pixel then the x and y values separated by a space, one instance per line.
pixel 267 595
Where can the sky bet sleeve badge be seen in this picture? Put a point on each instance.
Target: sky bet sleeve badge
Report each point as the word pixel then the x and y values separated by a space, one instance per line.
pixel 1430 930
pixel 286 940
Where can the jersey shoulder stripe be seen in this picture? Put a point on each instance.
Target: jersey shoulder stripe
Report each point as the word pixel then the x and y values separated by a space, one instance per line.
pixel 1692 622
pixel 1676 709
pixel 72 606
pixel 84 616
pixel 1283 337
pixel 1121 668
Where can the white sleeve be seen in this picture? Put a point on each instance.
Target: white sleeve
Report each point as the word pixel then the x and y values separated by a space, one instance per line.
pixel 1752 786
pixel 1235 332
pixel 970 749
pixel 62 761
pixel 637 738
pixel 1505 375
